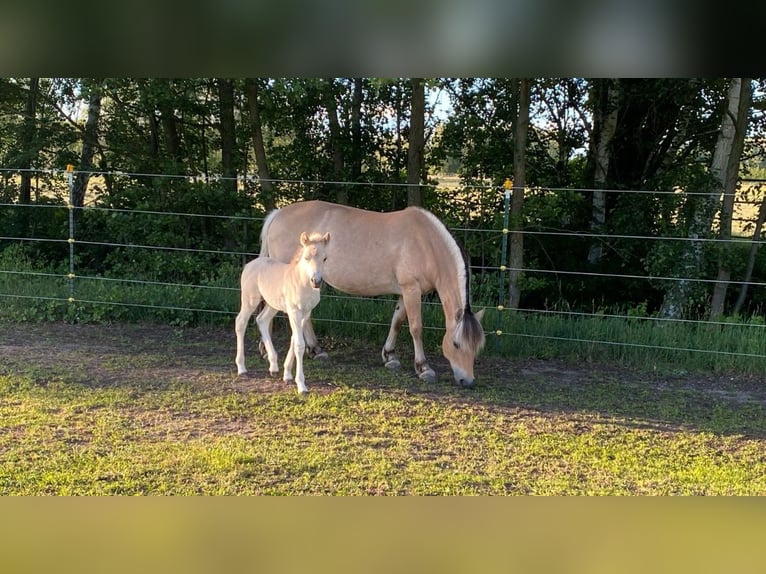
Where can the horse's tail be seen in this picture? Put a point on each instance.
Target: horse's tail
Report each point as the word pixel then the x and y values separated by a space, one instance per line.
pixel 265 233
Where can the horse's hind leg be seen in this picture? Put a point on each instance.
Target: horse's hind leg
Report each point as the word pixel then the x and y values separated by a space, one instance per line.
pixel 264 326
pixel 312 344
pixel 411 297
pixel 240 326
pixel 388 353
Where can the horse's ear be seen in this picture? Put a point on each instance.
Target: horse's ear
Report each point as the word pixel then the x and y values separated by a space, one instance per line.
pixel 304 239
pixel 326 237
pixel 479 315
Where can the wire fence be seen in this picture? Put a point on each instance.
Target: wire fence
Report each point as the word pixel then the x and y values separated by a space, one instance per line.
pixel 487 246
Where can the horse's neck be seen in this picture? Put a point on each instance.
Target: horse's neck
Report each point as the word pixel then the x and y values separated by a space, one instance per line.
pixel 451 298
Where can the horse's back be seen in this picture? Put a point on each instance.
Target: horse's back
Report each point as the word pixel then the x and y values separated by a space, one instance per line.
pixel 370 251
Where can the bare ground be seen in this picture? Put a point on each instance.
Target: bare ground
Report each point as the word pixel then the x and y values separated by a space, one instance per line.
pixel 153 356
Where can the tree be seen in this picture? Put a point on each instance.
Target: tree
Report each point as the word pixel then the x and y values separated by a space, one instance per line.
pixel 416 142
pixel 516 254
pixel 335 141
pixel 604 125
pixel 228 133
pixel 725 168
pixel 256 130
pixel 28 148
pixel 93 91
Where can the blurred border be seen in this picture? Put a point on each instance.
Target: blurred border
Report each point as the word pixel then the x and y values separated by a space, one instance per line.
pixel 324 534
pixel 430 38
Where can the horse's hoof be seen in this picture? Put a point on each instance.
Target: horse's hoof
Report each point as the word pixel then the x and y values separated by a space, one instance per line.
pixel 467 384
pixel 393 364
pixel 273 373
pixel 243 375
pixel 322 356
pixel 428 376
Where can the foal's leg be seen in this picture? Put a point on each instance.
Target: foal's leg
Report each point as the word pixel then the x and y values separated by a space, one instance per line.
pixel 388 353
pixel 297 348
pixel 247 307
pixel 264 322
pixel 411 297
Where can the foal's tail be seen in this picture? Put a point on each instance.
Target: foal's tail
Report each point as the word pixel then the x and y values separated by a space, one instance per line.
pixel 265 233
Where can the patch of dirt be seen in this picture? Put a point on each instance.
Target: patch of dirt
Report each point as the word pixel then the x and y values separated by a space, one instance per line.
pixel 153 356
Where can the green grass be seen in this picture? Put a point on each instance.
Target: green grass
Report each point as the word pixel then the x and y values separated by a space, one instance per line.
pixel 143 409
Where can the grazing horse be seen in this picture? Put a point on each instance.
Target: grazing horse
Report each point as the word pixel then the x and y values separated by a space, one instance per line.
pixel 407 253
pixel 290 287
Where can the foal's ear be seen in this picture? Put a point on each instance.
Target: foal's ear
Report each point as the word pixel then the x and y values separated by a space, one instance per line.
pixel 326 237
pixel 304 239
pixel 479 314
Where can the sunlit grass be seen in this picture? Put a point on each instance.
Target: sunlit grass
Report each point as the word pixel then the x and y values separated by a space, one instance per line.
pixel 163 413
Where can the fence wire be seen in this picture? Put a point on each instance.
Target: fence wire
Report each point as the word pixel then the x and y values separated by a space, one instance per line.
pixel 496 237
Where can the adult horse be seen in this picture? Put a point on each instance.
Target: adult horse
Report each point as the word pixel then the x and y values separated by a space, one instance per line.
pixel 408 253
pixel 290 287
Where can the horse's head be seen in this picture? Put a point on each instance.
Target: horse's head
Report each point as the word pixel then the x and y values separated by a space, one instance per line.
pixel 462 342
pixel 312 256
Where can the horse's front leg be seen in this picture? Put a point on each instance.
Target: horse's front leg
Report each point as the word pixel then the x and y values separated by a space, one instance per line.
pixel 411 297
pixel 388 353
pixel 297 348
pixel 264 326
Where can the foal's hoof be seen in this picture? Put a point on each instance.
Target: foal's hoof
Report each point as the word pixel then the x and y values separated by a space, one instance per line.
pixel 393 364
pixel 429 376
pixel 322 356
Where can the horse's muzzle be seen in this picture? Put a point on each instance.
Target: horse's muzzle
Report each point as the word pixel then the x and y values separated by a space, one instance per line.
pixel 316 282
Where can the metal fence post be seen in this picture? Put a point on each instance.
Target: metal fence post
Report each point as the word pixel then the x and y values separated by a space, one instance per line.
pixel 507 185
pixel 70 205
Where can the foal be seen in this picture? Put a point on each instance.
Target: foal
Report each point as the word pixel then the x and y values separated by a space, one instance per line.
pixel 289 287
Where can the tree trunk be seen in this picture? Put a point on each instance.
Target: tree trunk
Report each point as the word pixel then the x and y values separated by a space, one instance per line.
pixel 725 167
pixel 751 256
pixel 228 134
pixel 690 263
pixel 336 142
pixel 169 125
pixel 516 255
pixel 267 186
pixel 89 145
pixel 416 142
pixel 27 143
pixel 356 130
pixel 607 127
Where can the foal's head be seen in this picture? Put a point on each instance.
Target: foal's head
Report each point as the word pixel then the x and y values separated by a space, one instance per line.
pixel 312 255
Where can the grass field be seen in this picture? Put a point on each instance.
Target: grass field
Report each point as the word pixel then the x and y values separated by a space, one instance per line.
pixel 145 409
